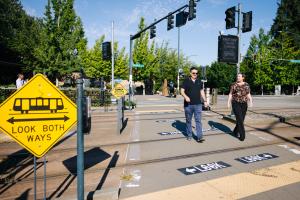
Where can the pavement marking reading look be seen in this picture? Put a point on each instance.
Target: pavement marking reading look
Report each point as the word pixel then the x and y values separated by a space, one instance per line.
pixel 256 158
pixel 204 168
pixel 232 187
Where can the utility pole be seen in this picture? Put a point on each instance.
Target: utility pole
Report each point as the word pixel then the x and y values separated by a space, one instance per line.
pixel 130 73
pixel 112 57
pixel 178 67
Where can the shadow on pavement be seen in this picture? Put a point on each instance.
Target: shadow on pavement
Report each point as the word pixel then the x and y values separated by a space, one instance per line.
pixel 91 158
pixel 63 186
pixel 112 164
pixel 24 195
pixel 124 125
pixel 180 126
pixel 268 131
pixel 221 127
pixel 291 124
pixel 13 164
pixel 282 119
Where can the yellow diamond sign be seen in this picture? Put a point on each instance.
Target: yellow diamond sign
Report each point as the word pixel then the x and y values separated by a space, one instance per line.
pixel 119 91
pixel 37 115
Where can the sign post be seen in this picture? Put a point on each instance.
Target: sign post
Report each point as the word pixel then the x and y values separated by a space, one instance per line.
pixel 119 92
pixel 80 148
pixel 34 174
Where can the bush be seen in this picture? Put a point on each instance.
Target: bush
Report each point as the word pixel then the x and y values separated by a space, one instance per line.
pixel 133 104
pixel 69 92
pixel 5 93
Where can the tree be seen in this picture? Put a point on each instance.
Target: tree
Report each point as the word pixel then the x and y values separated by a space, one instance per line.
pixel 283 49
pixel 221 76
pixel 96 67
pixel 62 40
pixel 143 54
pixel 18 38
pixel 288 20
pixel 121 63
pixel 256 65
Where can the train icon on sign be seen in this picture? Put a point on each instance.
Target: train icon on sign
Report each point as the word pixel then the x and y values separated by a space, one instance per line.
pixel 24 105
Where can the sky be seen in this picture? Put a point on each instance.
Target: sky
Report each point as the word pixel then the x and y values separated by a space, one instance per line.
pixel 198 38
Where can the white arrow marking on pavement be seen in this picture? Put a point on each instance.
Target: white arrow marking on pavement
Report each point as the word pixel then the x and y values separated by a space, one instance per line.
pixel 190 170
pixel 267 156
pixel 296 151
pixel 284 146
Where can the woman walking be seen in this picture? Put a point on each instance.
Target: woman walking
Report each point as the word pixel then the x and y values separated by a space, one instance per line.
pixel 239 97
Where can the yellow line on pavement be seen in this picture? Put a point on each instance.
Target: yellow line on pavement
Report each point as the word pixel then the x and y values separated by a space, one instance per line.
pixel 232 187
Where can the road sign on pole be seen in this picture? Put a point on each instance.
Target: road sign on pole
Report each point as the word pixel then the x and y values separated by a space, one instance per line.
pixel 228 48
pixel 37 115
pixel 295 61
pixel 138 65
pixel 119 91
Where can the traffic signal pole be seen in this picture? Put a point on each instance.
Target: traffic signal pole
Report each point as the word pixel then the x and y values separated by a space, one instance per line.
pixel 112 57
pixel 178 52
pixel 130 73
pixel 239 28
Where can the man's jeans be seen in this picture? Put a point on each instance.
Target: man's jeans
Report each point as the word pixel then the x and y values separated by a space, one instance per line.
pixel 189 111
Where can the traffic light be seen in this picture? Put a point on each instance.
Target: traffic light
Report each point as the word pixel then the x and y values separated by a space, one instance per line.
pixel 170 22
pixel 247 22
pixel 106 51
pixel 230 18
pixel 152 31
pixel 181 73
pixel 192 10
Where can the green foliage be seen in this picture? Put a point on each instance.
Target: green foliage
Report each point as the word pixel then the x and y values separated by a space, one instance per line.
pixel 62 40
pixel 160 62
pixel 267 61
pixel 95 67
pixel 19 35
pixel 221 76
pixel 143 53
pixel 288 20
pixel 283 49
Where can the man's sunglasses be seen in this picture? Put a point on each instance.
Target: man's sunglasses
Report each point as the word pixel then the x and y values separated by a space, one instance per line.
pixel 195 73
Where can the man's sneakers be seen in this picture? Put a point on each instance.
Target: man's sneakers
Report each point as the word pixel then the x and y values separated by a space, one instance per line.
pixel 189 138
pixel 200 140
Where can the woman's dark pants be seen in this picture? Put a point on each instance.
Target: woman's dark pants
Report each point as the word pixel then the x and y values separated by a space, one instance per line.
pixel 239 110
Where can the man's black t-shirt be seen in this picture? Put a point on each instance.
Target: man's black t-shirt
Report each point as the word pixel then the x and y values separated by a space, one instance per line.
pixel 192 90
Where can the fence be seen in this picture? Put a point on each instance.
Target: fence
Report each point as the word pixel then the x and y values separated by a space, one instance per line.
pixel 98 98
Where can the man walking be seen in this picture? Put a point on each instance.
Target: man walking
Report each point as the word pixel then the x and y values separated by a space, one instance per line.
pixel 192 92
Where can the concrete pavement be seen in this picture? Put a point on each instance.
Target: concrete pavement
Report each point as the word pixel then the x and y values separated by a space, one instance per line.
pixel 143 162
